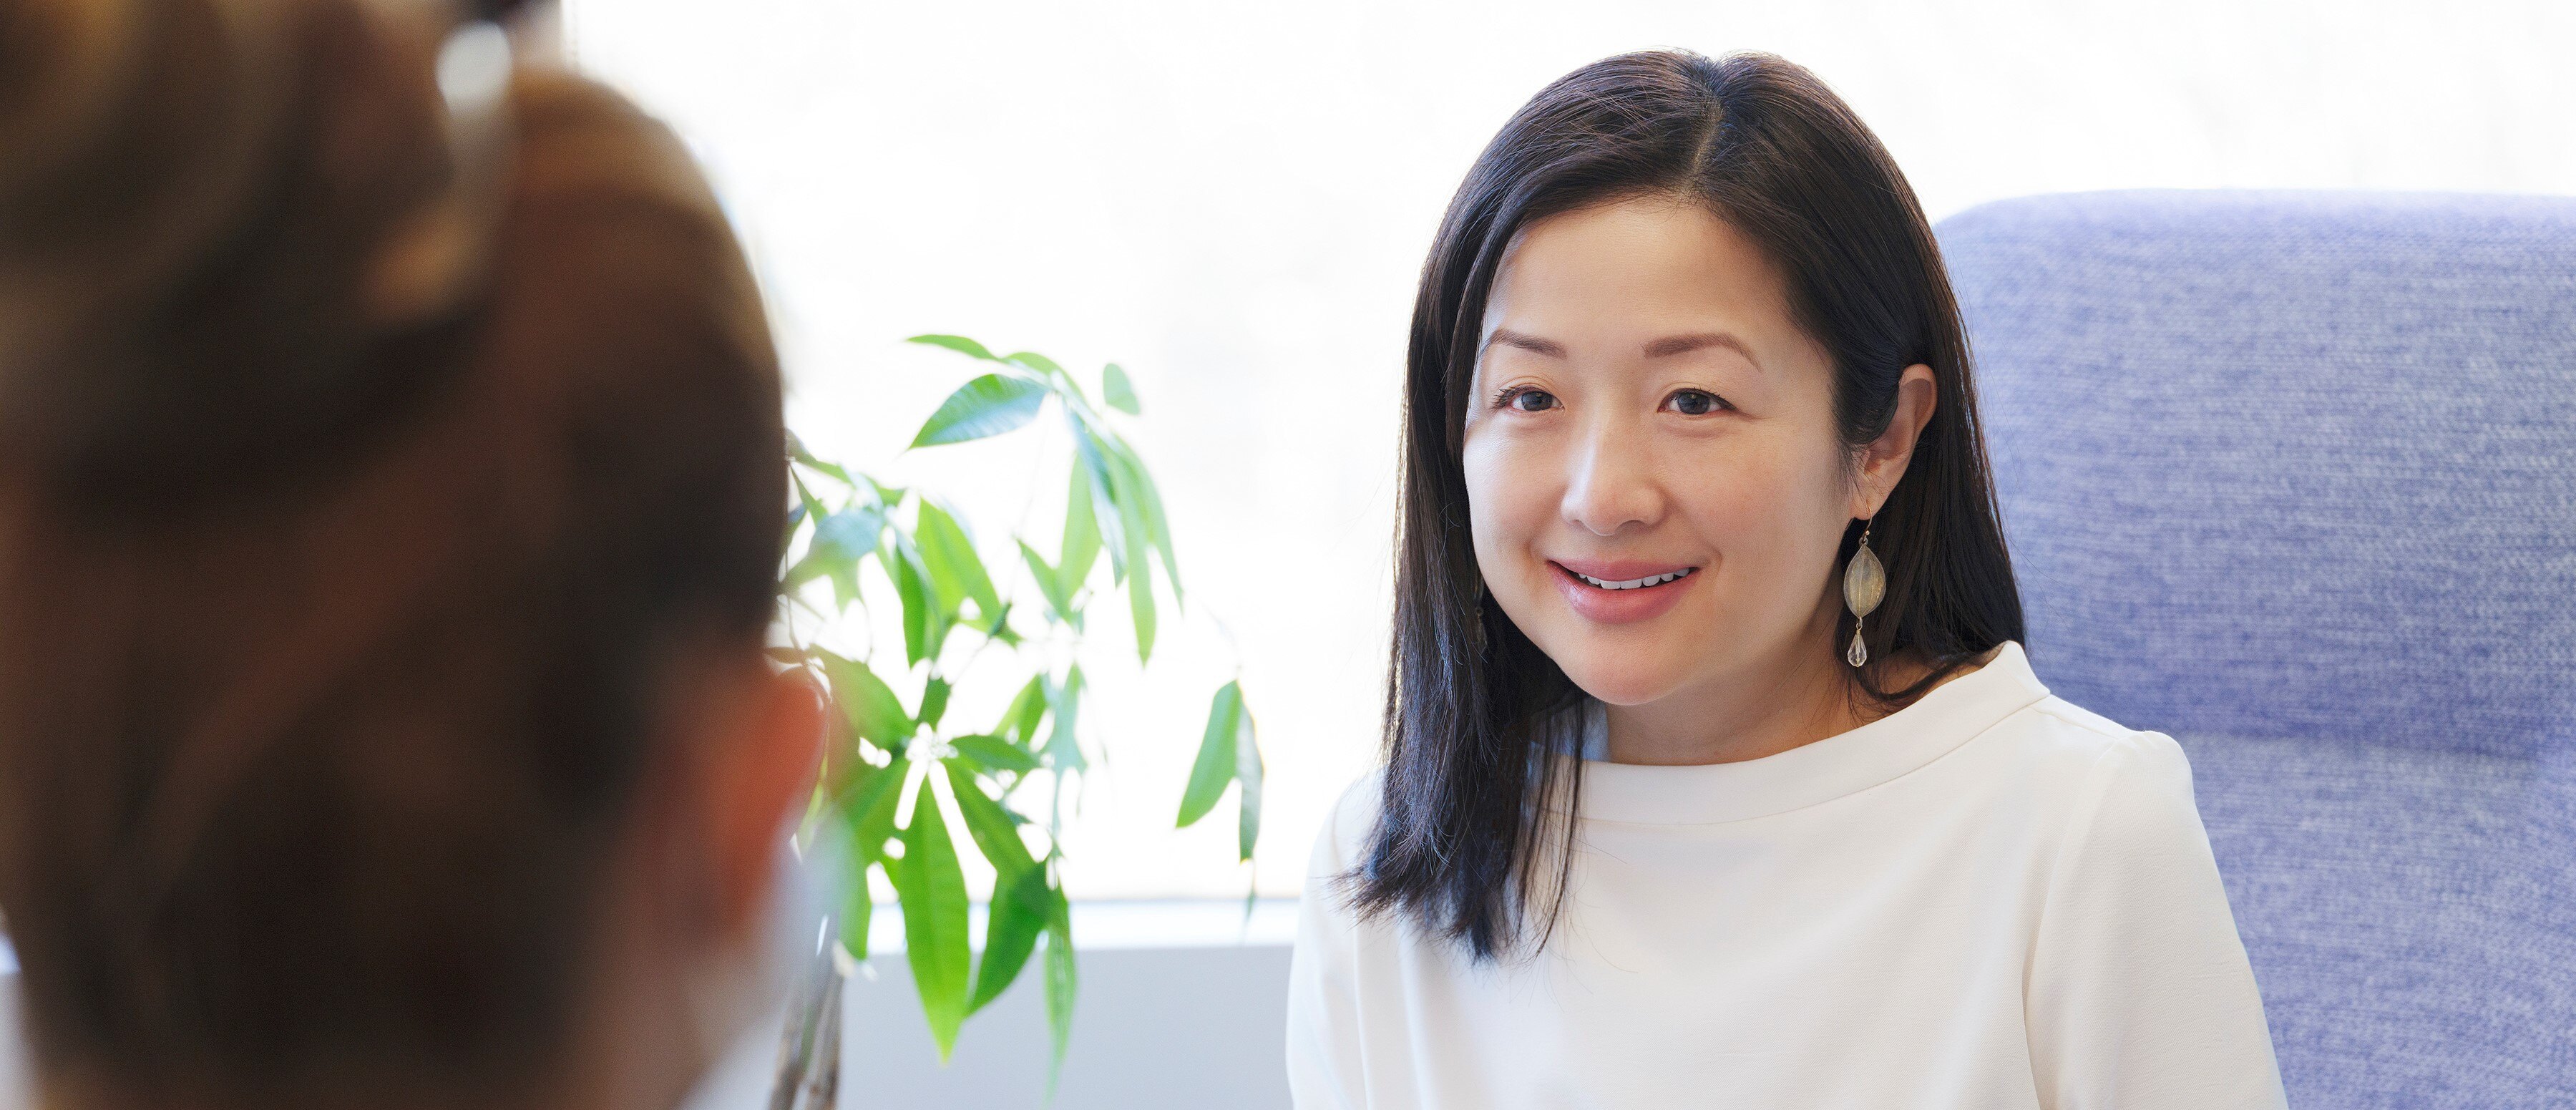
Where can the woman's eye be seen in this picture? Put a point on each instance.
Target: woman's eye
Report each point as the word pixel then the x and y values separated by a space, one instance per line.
pixel 1695 402
pixel 1528 399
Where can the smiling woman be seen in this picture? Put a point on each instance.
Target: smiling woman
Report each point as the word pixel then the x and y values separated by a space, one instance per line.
pixel 1684 315
pixel 1687 400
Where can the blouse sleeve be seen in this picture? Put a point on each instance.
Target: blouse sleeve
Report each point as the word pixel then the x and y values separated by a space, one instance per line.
pixel 2140 996
pixel 1324 1065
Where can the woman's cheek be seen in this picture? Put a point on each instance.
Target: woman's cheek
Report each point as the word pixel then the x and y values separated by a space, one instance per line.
pixel 1740 500
pixel 1763 512
pixel 1511 497
pixel 1486 511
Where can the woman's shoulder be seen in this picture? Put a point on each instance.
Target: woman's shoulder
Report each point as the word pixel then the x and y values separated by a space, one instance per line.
pixel 2060 739
pixel 2049 736
pixel 2117 783
pixel 1344 837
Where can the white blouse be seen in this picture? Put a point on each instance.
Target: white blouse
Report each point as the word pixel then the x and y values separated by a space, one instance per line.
pixel 1988 899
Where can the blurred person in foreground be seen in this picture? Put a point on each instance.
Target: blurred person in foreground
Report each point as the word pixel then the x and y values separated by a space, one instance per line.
pixel 391 494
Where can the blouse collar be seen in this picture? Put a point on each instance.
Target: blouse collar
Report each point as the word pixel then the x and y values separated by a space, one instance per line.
pixel 1846 763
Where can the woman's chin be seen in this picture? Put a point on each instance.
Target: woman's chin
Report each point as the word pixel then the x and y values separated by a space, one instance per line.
pixel 1622 664
pixel 1619 681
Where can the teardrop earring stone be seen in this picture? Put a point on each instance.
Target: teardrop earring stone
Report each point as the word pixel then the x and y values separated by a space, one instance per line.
pixel 1864 582
pixel 1864 586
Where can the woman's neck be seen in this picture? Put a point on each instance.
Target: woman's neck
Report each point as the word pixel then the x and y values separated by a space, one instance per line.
pixel 1792 700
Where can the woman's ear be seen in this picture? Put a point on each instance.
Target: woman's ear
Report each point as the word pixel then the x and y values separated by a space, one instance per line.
pixel 762 757
pixel 1883 460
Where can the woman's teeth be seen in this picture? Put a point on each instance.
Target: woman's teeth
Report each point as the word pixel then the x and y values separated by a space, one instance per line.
pixel 1633 583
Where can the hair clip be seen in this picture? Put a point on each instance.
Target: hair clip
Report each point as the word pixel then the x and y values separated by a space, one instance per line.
pixel 440 254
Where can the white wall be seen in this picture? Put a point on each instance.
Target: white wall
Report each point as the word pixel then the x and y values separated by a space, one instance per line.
pixel 1158 1028
pixel 1232 200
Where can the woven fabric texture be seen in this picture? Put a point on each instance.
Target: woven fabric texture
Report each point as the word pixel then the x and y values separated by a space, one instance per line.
pixel 2292 477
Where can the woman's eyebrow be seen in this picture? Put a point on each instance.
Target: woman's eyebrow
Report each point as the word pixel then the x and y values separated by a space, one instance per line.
pixel 1684 344
pixel 1505 337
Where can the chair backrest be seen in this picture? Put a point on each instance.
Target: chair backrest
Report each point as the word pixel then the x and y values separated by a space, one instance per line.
pixel 2292 476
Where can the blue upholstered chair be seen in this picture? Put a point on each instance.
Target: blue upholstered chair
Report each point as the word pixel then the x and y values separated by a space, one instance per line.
pixel 2292 477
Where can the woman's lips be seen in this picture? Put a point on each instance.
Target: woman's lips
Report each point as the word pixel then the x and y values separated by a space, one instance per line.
pixel 1621 592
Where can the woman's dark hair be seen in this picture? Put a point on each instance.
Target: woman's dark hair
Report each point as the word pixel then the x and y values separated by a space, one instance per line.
pixel 1476 802
pixel 339 605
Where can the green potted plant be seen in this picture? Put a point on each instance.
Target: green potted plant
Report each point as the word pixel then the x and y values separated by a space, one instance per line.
pixel 894 771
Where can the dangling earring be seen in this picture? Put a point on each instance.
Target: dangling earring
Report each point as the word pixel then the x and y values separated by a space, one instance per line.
pixel 1864 584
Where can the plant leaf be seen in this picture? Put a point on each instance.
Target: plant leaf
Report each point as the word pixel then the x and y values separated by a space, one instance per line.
pixel 925 620
pixel 1035 361
pixel 996 832
pixel 829 469
pixel 1063 752
pixel 1124 478
pixel 796 451
pixel 869 808
pixel 934 701
pixel 866 806
pixel 1151 506
pixel 855 530
pixel 1216 765
pixel 805 495
pixel 1118 391
pixel 1059 606
pixel 812 565
pixel 1248 772
pixel 840 541
pixel 1140 608
pixel 1020 721
pixel 845 586
pixel 934 920
pixel 956 571
pixel 869 704
pixel 1091 462
pixel 999 628
pixel 805 500
pixel 1020 895
pixel 995 753
pixel 1159 527
pixel 1062 983
pixel 1081 545
pixel 987 406
pixel 957 343
pixel 1018 915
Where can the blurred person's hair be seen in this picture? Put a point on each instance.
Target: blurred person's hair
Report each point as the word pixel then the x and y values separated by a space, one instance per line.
pixel 339 606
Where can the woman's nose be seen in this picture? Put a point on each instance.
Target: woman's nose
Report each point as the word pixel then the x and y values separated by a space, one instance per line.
pixel 1612 486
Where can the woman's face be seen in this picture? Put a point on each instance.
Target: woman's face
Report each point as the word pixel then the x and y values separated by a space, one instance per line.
pixel 1654 476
